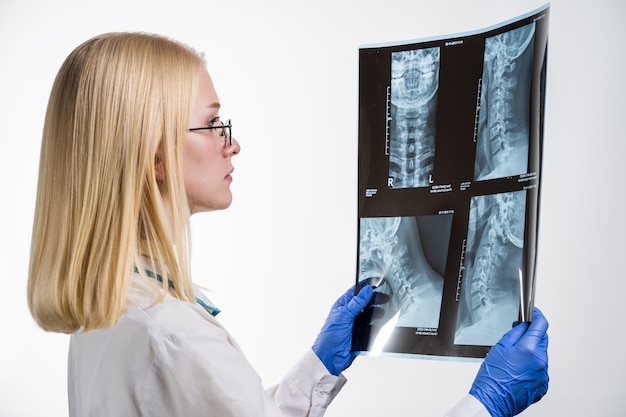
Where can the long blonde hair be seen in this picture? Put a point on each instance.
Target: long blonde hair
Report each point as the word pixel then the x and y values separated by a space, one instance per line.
pixel 120 103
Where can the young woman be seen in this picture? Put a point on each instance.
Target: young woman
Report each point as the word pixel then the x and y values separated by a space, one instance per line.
pixel 133 144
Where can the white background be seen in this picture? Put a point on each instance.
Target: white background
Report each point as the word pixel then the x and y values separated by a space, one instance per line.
pixel 287 74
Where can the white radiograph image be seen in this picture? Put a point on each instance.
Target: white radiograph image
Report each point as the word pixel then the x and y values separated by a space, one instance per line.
pixel 490 293
pixel 504 115
pixel 398 249
pixel 414 85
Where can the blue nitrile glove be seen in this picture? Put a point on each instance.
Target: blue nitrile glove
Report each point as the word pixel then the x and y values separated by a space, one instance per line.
pixel 514 375
pixel 376 313
pixel 334 342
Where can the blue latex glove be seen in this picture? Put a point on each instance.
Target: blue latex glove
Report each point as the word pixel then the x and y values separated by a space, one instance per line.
pixel 334 342
pixel 376 313
pixel 514 375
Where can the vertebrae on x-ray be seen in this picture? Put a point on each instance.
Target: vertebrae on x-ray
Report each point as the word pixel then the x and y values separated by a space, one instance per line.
pixel 501 150
pixel 382 254
pixel 495 221
pixel 414 84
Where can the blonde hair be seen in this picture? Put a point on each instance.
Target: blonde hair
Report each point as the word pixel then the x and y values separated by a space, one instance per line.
pixel 120 105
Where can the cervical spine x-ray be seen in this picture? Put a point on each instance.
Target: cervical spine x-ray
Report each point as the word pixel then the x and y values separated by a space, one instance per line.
pixel 493 261
pixel 450 157
pixel 396 249
pixel 414 83
pixel 502 143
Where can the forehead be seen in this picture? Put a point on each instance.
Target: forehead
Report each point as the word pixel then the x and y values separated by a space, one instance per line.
pixel 206 95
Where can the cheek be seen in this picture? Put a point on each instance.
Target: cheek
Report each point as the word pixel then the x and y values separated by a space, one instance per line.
pixel 197 158
pixel 197 172
pixel 202 175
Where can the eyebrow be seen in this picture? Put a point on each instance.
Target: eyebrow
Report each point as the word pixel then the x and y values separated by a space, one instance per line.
pixel 211 109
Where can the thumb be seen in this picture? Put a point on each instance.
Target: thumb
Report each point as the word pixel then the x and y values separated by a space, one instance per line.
pixel 359 301
pixel 536 332
pixel 511 337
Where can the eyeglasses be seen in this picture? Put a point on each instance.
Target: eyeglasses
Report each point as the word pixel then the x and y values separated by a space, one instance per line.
pixel 226 131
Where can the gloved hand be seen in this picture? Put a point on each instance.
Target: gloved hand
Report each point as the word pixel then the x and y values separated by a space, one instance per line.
pixel 334 342
pixel 376 313
pixel 514 375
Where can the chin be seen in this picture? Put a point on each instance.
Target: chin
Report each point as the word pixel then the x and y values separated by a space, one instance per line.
pixel 215 206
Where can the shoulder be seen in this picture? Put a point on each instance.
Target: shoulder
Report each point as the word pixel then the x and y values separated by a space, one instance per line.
pixel 167 318
pixel 148 322
pixel 159 347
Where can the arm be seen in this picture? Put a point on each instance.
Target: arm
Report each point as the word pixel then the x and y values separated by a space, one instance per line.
pixel 199 370
pixel 307 386
pixel 316 379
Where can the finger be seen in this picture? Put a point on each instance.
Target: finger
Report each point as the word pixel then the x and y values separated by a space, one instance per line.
pixel 538 315
pixel 345 298
pixel 359 301
pixel 511 337
pixel 536 333
pixel 543 347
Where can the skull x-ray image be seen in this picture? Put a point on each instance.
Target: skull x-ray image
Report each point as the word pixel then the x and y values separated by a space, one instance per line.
pixel 490 296
pixel 414 84
pixel 504 119
pixel 399 249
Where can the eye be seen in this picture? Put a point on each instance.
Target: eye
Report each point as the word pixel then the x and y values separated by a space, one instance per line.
pixel 214 122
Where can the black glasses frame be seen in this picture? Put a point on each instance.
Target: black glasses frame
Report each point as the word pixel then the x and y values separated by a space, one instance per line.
pixel 227 131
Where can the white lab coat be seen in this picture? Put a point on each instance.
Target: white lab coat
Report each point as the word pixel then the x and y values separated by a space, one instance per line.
pixel 175 359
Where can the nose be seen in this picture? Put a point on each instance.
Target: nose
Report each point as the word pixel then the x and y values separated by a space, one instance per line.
pixel 234 148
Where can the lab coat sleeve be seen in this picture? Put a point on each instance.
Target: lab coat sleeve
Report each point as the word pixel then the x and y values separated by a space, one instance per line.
pixel 469 406
pixel 206 374
pixel 307 386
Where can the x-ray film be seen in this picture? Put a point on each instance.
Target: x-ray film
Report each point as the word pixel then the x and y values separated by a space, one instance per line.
pixel 450 156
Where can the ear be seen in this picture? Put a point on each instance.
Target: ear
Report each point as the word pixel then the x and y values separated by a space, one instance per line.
pixel 159 166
